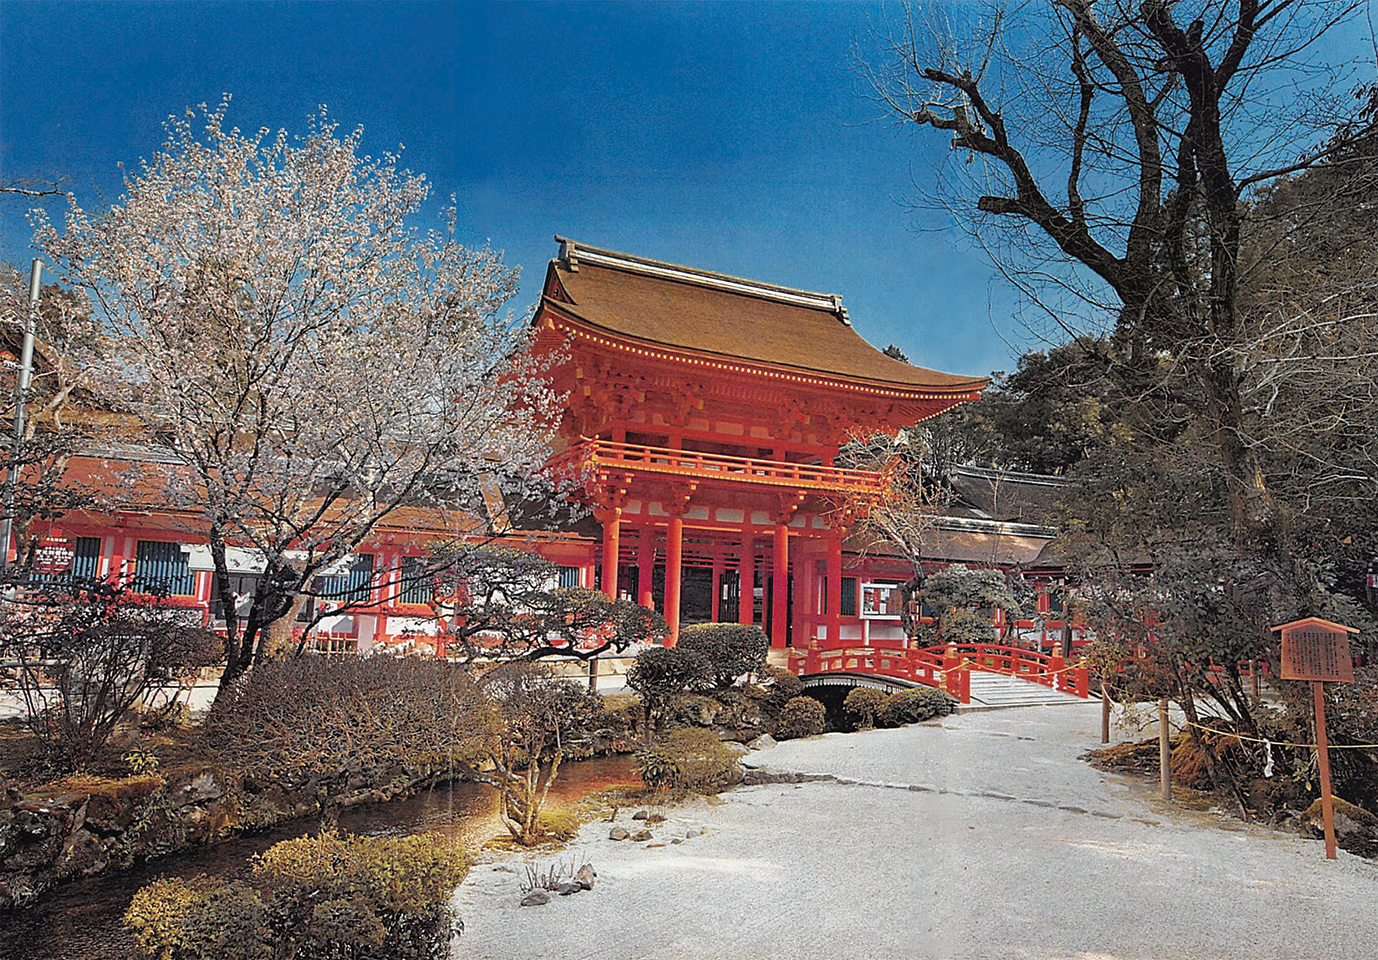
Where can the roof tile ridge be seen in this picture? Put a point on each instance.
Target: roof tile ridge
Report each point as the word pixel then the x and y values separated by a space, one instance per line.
pixel 572 251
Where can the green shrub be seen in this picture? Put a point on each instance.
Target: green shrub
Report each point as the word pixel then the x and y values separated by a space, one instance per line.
pixel 801 717
pixel 325 897
pixel 621 712
pixel 782 687
pixel 199 918
pixel 688 759
pixel 914 705
pixel 656 767
pixel 662 675
pixel 399 886
pixel 695 710
pixel 732 649
pixel 863 705
pixel 739 707
pixel 141 763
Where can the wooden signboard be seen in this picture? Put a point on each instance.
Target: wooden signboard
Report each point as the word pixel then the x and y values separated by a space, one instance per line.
pixel 1318 650
pixel 1315 649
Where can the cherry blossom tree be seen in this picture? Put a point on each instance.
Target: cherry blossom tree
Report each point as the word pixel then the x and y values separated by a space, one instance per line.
pixel 313 361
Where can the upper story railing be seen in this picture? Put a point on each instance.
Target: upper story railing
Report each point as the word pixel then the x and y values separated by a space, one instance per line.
pixel 607 455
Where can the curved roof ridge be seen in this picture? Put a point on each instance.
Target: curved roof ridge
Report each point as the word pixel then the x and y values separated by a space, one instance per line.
pixel 572 251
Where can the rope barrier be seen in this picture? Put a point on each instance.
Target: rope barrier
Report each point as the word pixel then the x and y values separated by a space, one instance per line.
pixel 1280 743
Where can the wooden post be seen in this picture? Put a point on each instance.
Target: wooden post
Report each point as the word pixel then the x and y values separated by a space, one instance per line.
pixel 779 619
pixel 674 555
pixel 1104 713
pixel 834 589
pixel 1323 761
pixel 746 581
pixel 1164 751
pixel 645 567
pixel 716 610
pixel 611 548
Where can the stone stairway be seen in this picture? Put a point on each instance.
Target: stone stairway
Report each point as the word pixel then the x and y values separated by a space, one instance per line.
pixel 993 691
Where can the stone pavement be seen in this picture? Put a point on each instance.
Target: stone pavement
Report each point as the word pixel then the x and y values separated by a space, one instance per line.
pixel 978 837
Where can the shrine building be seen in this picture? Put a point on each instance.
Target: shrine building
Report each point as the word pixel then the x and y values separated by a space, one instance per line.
pixel 704 422
pixel 703 427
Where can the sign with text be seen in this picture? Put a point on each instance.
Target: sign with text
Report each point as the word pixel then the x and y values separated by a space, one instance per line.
pixel 1316 649
pixel 53 557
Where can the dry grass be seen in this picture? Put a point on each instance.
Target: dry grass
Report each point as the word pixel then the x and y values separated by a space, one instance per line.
pixel 118 789
pixel 179 751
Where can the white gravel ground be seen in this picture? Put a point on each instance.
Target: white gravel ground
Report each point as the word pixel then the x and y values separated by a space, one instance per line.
pixel 1011 848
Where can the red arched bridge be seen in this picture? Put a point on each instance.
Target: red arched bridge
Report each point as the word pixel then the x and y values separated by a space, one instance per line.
pixel 946 667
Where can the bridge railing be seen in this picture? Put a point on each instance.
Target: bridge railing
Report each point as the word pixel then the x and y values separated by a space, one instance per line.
pixel 918 666
pixel 1050 671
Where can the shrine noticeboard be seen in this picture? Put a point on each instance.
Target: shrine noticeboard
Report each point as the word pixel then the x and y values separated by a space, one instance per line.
pixel 53 557
pixel 1315 649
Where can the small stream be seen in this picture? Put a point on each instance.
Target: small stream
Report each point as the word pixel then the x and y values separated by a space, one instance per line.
pixel 81 921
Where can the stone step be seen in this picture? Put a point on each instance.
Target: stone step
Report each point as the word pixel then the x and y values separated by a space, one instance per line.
pixel 990 691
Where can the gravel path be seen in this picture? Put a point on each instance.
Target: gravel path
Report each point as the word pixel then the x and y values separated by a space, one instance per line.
pixel 980 837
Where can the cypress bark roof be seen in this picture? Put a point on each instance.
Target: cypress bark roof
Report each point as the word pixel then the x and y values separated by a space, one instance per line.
pixel 680 307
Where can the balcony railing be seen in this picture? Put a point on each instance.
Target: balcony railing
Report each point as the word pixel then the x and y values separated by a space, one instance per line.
pixel 608 456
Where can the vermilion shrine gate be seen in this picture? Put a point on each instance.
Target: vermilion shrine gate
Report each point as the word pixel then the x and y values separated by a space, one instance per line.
pixel 706 413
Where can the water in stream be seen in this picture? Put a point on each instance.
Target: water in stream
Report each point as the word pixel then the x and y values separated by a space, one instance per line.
pixel 81 921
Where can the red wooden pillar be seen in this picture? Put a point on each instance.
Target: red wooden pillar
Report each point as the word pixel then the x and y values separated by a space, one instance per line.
pixel 674 555
pixel 612 545
pixel 835 587
pixel 645 567
pixel 803 605
pixel 779 619
pixel 746 579
pixel 717 584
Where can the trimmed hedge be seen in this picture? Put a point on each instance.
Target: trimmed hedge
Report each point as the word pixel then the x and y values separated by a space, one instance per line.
pixel 863 705
pixel 662 675
pixel 199 918
pixel 913 706
pixel 732 649
pixel 782 687
pixel 688 759
pixel 323 897
pixel 801 717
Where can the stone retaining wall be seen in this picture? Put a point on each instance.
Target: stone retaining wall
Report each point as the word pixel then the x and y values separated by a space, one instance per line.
pixel 85 826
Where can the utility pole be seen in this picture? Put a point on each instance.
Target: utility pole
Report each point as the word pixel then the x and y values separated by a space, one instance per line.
pixel 21 399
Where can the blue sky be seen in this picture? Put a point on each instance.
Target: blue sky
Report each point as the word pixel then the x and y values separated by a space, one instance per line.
pixel 736 137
